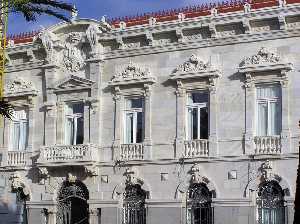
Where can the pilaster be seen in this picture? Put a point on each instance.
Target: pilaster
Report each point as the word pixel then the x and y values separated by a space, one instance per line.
pixel 213 135
pixel 60 123
pixel 250 115
pixel 118 118
pixel 86 115
pixel 147 119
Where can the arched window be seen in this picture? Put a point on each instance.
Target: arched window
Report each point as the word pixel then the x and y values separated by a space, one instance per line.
pixel 199 209
pixel 134 210
pixel 270 203
pixel 72 205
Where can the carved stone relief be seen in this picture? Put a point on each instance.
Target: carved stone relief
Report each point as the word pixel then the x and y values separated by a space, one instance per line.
pixel 263 56
pixel 193 64
pixel 19 87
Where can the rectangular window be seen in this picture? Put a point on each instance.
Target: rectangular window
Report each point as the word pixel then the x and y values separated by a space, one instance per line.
pixel 20 129
pixel 268 110
pixel 134 121
pixel 74 124
pixel 197 116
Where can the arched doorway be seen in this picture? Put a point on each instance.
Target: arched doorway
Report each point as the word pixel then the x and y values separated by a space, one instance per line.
pixel 72 205
pixel 270 203
pixel 134 210
pixel 199 209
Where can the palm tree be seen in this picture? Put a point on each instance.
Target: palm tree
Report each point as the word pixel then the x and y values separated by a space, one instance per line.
pixel 31 10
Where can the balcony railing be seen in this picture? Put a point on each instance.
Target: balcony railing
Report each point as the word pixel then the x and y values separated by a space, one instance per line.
pixel 68 153
pixel 16 158
pixel 132 151
pixel 267 144
pixel 196 148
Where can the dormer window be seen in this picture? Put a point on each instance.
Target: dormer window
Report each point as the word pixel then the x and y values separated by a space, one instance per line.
pixel 197 116
pixel 19 129
pixel 74 124
pixel 268 99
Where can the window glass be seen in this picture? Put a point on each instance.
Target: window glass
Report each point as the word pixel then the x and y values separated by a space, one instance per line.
pixel 74 124
pixel 197 97
pixel 19 130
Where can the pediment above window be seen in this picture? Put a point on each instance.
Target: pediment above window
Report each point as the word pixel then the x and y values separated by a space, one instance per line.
pixel 264 60
pixel 72 83
pixel 132 74
pixel 193 68
pixel 19 87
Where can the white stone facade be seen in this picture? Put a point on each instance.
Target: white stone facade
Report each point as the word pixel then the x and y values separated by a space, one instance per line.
pixel 89 62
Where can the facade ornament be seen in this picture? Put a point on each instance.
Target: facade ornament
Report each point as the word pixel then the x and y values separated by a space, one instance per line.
pixel 214 12
pixel 152 21
pixel 122 25
pixel 263 56
pixel 44 174
pixel 71 178
pixel 196 176
pixel 249 81
pixel 73 59
pixel 247 7
pixel 10 43
pixel 104 25
pixel 179 35
pixel 193 64
pixel 17 184
pixel 149 38
pixel 181 16
pixel 132 72
pixel 282 3
pixel 132 178
pixel 92 35
pixel 180 91
pixel 48 41
pixel 74 13
pixel 92 170
pixel 267 170
pixel 19 87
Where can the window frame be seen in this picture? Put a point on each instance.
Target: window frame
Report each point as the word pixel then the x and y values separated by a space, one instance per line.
pixel 75 120
pixel 134 112
pixel 197 106
pixel 19 121
pixel 268 101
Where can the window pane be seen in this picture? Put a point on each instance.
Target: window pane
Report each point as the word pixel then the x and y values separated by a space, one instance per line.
pixel 275 119
pixel 204 123
pixel 134 103
pixel 69 131
pixel 139 128
pixel 15 135
pixel 78 108
pixel 198 97
pixel 264 92
pixel 129 128
pixel 80 128
pixel 189 123
pixel 23 135
pixel 262 119
pixel 195 123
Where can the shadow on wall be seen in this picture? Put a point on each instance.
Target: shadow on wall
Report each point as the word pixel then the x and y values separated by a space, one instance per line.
pixel 11 211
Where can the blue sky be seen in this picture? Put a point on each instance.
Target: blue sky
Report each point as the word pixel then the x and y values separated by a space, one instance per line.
pixel 97 8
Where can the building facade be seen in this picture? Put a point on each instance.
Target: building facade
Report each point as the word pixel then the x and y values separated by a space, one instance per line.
pixel 188 116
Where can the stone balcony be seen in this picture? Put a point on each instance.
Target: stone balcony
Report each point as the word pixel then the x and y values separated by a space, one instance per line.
pixel 58 155
pixel 132 152
pixel 267 144
pixel 196 148
pixel 16 159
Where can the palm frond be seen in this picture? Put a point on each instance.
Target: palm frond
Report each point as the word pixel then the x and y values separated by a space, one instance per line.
pixel 6 109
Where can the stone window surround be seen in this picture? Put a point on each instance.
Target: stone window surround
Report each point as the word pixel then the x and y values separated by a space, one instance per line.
pixel 60 127
pixel 264 74
pixel 120 96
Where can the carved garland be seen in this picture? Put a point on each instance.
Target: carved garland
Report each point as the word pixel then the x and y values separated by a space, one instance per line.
pixel 19 87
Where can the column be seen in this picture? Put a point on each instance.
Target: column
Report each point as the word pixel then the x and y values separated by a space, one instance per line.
pixel 60 121
pixel 31 126
pixel 180 119
pixel 213 112
pixel 118 98
pixel 52 215
pixel 94 121
pixel 250 115
pixel 148 120
pixel 50 124
pixel 285 133
pixel 86 123
pixel 94 216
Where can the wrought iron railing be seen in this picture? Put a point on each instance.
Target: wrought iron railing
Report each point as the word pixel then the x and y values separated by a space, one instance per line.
pixel 196 148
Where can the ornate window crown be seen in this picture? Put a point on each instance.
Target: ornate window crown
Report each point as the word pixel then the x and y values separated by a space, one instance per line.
pixel 19 87
pixel 132 74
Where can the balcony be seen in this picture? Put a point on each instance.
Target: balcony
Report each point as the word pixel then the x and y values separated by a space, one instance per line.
pixel 267 144
pixel 16 159
pixel 196 148
pixel 68 155
pixel 132 152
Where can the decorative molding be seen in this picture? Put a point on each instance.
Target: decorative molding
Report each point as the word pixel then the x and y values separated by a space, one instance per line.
pixel 264 60
pixel 72 83
pixel 132 74
pixel 18 184
pixel 194 67
pixel 19 87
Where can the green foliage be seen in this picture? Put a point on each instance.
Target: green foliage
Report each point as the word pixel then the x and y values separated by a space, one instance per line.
pixel 6 109
pixel 31 9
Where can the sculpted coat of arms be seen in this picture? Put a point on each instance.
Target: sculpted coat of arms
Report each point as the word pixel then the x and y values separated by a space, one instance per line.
pixel 73 59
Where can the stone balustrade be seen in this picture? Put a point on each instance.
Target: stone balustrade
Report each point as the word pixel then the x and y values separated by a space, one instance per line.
pixel 16 158
pixel 68 153
pixel 132 151
pixel 196 148
pixel 267 144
